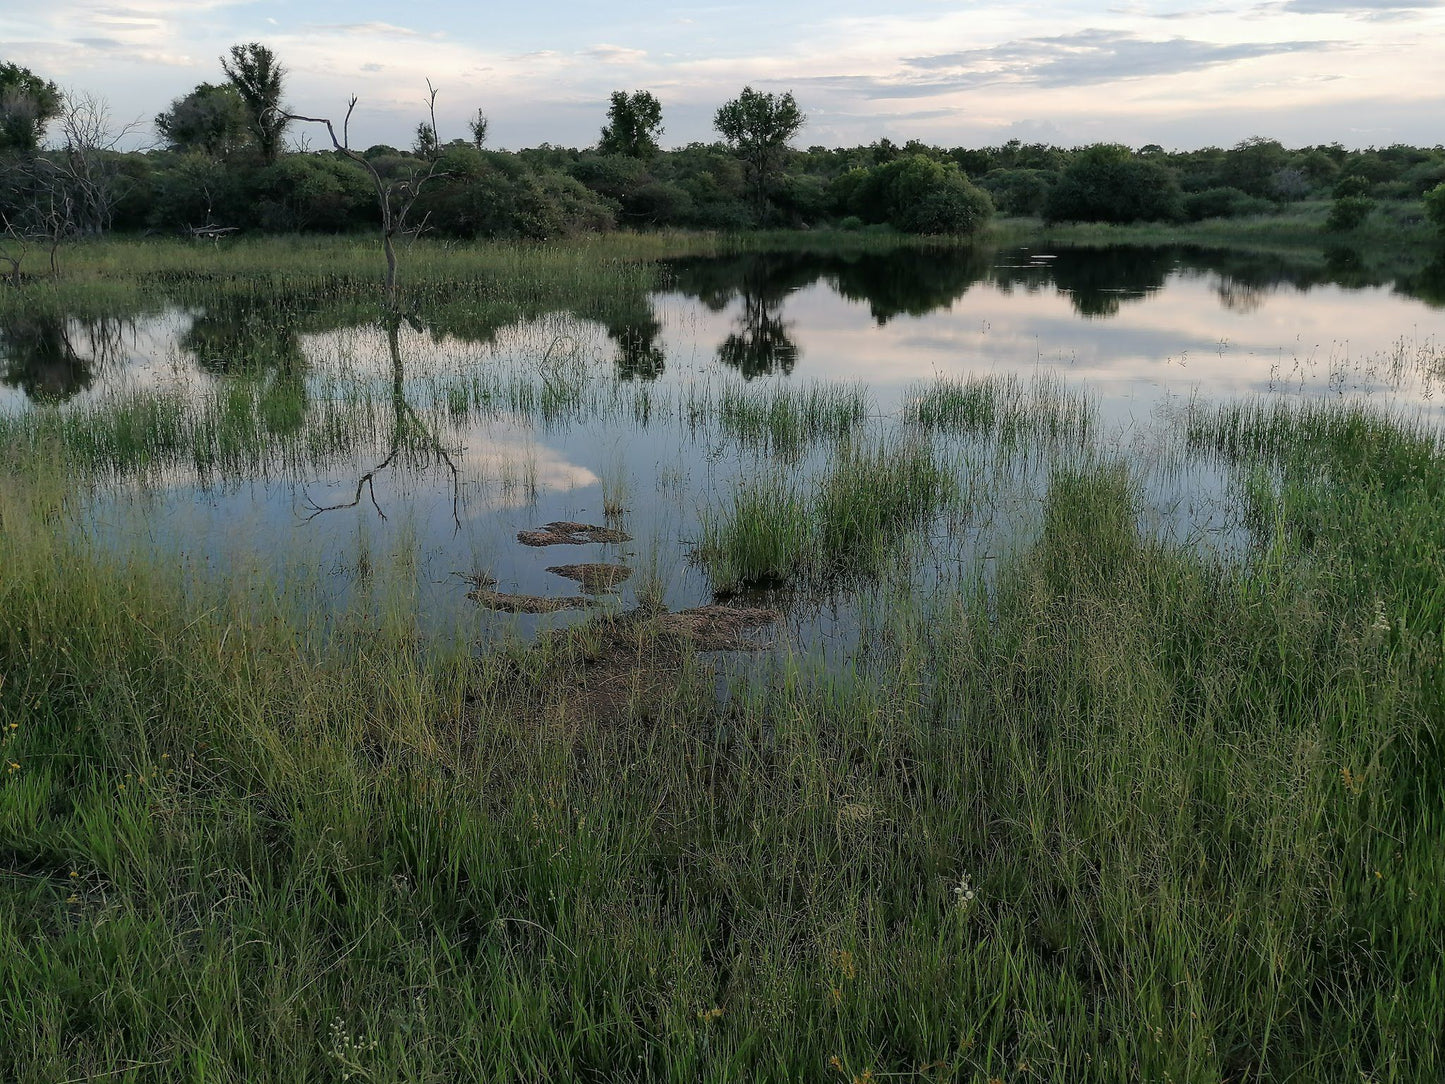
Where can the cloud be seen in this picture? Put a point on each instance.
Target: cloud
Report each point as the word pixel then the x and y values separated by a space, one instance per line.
pixel 615 54
pixel 1358 9
pixel 1095 56
pixel 369 29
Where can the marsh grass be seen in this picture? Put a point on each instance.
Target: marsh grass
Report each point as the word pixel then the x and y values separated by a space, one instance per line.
pixel 839 524
pixel 785 420
pixel 1008 409
pixel 1114 808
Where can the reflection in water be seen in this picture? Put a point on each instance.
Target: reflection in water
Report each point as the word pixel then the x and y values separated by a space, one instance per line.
pixel 412 442
pixel 639 354
pixel 761 344
pixel 40 355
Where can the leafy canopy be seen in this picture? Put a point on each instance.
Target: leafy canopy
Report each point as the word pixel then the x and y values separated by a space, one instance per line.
pixel 27 104
pixel 634 121
pixel 259 79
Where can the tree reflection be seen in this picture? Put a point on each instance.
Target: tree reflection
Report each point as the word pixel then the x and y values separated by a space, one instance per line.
pixel 236 338
pixel 761 344
pixel 53 359
pixel 410 440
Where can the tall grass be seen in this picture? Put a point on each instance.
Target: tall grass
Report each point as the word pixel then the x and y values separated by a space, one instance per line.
pixel 778 528
pixel 1005 408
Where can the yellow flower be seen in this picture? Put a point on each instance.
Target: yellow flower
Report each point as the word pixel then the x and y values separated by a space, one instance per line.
pixel 836 1063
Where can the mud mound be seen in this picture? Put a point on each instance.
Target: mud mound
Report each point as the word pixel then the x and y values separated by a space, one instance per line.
pixel 564 533
pixel 631 665
pixel 718 628
pixel 526 604
pixel 594 577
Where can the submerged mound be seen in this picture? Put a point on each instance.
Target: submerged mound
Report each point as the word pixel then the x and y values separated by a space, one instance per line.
pixel 565 533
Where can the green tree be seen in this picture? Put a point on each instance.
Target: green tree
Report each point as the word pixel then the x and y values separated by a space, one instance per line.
pixel 210 118
pixel 1108 183
pixel 478 127
pixel 634 121
pixel 1435 207
pixel 27 104
pixel 259 79
pixel 758 127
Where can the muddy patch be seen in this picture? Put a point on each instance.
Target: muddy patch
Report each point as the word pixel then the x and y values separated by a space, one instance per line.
pixel 484 595
pixel 565 533
pixel 634 665
pixel 594 578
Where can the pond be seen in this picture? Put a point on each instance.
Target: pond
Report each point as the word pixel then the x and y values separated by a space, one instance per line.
pixel 352 462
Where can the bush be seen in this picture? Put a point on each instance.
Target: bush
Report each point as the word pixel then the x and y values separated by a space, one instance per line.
pixel 1347 212
pixel 1222 203
pixel 1019 191
pixel 919 195
pixel 1435 207
pixel 1107 183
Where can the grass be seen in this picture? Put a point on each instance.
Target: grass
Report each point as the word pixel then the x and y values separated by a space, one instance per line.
pixel 1005 408
pixel 1100 805
pixel 785 419
pixel 777 529
pixel 1394 224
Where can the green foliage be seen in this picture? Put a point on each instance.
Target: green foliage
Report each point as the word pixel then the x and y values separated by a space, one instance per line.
pixel 323 192
pixel 1107 183
pixel 28 104
pixel 915 194
pixel 758 127
pixel 1019 191
pixel 259 79
pixel 1223 203
pixel 634 121
pixel 210 119
pixel 1435 207
pixel 1348 212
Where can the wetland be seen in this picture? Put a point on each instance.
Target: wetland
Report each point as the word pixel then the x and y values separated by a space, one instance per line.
pixel 666 657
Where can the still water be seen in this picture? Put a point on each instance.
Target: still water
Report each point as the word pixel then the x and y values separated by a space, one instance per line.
pixel 418 456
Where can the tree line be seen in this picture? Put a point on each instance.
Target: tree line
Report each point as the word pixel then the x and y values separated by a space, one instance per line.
pixel 233 155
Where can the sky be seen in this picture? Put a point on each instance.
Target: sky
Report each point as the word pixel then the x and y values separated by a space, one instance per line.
pixel 1184 74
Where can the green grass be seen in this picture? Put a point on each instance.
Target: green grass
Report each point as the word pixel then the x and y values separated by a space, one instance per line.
pixel 786 419
pixel 777 529
pixel 1039 413
pixel 1096 806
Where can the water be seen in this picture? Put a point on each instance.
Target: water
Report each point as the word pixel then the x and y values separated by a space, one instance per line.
pixel 415 459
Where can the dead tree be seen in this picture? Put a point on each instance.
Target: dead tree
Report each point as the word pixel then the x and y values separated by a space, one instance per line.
pixel 395 197
pixel 411 439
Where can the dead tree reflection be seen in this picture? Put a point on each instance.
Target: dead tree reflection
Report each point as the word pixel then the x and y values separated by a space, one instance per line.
pixel 412 440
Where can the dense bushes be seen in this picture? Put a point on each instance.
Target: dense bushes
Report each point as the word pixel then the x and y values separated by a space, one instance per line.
pixel 914 194
pixel 1109 183
pixel 550 191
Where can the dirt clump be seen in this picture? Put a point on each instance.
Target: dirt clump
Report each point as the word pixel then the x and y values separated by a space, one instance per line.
pixel 566 533
pixel 527 604
pixel 594 578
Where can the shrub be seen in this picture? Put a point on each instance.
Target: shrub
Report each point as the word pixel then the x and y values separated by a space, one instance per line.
pixel 1347 212
pixel 1222 203
pixel 1435 207
pixel 1107 183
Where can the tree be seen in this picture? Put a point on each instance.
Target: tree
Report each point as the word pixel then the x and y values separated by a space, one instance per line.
pixel 259 79
pixel 478 127
pixel 634 121
pixel 1107 183
pixel 1435 207
pixel 758 127
pixel 395 196
pixel 27 104
pixel 211 119
pixel 89 163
